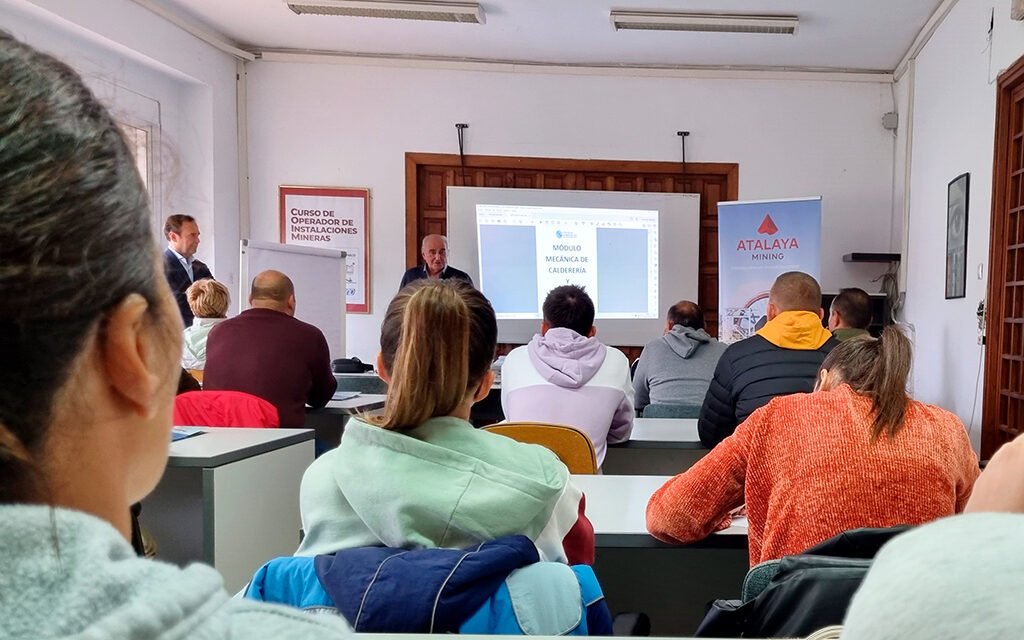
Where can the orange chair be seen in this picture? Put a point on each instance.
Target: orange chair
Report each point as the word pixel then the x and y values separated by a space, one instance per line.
pixel 224 409
pixel 571 445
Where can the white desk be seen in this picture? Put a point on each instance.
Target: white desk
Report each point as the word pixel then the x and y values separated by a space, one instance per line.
pixel 671 583
pixel 329 422
pixel 617 505
pixel 361 403
pixel 662 446
pixel 230 498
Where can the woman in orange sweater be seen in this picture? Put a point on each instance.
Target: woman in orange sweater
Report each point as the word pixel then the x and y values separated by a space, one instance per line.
pixel 856 452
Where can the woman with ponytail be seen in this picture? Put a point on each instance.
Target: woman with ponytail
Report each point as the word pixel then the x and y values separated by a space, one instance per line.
pixel 856 452
pixel 91 344
pixel 421 476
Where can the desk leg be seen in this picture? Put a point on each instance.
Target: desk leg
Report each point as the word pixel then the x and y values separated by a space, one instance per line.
pixel 256 511
pixel 671 585
pixel 234 517
pixel 173 515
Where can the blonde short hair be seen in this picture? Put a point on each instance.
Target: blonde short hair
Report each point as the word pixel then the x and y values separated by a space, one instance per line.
pixel 208 298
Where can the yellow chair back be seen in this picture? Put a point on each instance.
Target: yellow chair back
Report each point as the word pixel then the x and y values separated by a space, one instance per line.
pixel 571 445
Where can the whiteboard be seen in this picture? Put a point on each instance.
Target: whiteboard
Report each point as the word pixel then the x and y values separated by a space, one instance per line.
pixel 319 277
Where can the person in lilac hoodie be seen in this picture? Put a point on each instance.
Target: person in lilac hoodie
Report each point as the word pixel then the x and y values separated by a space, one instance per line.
pixel 566 376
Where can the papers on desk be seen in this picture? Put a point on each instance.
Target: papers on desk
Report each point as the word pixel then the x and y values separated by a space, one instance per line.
pixel 344 395
pixel 180 433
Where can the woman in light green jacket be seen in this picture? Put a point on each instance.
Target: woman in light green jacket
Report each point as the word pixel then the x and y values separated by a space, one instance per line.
pixel 421 476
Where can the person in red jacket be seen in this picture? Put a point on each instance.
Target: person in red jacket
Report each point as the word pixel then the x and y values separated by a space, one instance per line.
pixel 857 452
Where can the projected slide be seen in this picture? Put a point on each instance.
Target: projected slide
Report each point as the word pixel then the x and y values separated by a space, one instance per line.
pixel 525 251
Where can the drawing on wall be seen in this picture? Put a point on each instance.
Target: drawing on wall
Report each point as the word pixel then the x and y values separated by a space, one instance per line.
pixel 957 199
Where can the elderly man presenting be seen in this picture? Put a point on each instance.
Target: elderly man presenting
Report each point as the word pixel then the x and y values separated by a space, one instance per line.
pixel 269 353
pixel 435 263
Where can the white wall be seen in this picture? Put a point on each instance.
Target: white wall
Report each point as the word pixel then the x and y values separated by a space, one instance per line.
pixel 340 125
pixel 953 82
pixel 148 70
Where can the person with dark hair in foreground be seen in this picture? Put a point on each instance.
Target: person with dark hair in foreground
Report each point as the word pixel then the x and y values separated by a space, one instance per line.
pixel 92 343
pixel 857 452
pixel 677 367
pixel 782 358
pixel 421 476
pixel 566 376
pixel 850 314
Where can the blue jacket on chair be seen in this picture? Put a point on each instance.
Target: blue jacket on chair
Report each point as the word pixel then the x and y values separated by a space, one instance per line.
pixel 495 587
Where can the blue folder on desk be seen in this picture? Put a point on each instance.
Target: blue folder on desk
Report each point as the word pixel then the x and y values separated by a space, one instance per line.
pixel 180 433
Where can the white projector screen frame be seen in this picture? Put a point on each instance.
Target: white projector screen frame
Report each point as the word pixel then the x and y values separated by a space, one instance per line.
pixel 679 239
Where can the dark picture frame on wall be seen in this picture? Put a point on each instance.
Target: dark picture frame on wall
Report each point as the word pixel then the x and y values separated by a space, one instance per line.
pixel 958 197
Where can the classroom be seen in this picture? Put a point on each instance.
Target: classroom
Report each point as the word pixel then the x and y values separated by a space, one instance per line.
pixel 898 116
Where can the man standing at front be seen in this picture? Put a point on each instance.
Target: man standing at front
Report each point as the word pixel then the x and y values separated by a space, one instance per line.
pixel 269 353
pixel 783 357
pixel 435 263
pixel 180 265
pixel 565 376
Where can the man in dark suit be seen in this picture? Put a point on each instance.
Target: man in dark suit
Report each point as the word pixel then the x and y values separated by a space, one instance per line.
pixel 180 265
pixel 435 263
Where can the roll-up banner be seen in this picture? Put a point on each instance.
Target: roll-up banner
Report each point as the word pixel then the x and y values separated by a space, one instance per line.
pixel 757 241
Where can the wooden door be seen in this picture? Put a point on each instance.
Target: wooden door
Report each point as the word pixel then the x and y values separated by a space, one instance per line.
pixel 1003 410
pixel 429 175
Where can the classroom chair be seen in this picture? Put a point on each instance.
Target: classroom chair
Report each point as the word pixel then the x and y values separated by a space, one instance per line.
pixel 572 446
pixel 672 411
pixel 224 409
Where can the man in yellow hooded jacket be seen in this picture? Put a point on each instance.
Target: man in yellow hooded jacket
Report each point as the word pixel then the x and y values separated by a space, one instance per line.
pixel 783 357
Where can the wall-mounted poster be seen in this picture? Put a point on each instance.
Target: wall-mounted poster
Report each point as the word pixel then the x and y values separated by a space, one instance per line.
pixel 332 218
pixel 957 195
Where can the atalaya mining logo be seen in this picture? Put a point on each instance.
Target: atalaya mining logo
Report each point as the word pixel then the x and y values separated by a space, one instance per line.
pixel 770 248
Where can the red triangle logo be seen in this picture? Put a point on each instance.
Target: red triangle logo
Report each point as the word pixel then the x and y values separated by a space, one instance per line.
pixel 768 226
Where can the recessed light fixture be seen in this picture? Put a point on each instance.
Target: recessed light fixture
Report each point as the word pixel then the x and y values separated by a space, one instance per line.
pixel 469 12
pixel 712 22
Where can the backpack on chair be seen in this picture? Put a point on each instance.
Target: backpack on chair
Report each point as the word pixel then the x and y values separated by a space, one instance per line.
pixel 807 592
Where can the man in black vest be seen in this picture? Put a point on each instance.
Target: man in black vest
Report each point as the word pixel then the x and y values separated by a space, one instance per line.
pixel 180 265
pixel 435 263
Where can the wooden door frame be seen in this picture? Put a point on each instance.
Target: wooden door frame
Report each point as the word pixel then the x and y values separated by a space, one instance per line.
pixel 1009 81
pixel 414 160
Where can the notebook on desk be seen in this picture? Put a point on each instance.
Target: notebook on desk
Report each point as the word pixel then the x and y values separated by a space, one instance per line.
pixel 180 433
pixel 344 395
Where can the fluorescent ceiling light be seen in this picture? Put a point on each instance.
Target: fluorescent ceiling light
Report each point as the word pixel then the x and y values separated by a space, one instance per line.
pixel 470 12
pixel 719 23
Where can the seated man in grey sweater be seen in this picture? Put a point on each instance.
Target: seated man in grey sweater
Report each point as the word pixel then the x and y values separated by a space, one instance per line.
pixel 677 367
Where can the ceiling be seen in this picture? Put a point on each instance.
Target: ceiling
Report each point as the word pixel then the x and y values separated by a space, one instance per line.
pixel 862 35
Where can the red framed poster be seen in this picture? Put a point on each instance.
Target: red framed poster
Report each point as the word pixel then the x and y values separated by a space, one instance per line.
pixel 332 218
